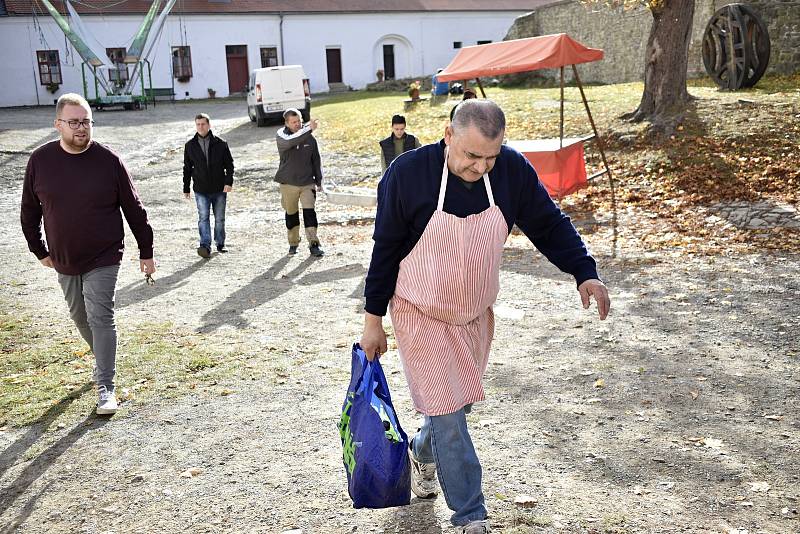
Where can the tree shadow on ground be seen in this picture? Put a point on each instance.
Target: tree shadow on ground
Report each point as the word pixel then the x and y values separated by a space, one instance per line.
pixel 139 291
pixel 642 427
pixel 269 286
pixel 39 465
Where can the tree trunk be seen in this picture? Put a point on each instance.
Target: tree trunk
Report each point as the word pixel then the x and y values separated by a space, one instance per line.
pixel 666 61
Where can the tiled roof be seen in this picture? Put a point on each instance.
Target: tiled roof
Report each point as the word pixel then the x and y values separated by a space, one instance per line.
pixel 26 7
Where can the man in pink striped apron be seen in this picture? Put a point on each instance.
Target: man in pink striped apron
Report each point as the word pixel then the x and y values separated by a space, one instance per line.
pixel 444 213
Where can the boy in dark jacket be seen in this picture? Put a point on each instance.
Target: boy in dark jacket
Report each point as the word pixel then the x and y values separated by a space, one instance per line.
pixel 207 160
pixel 400 141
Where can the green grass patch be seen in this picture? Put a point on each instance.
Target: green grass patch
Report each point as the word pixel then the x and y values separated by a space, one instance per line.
pixel 354 122
pixel 199 363
pixel 36 370
pixel 46 369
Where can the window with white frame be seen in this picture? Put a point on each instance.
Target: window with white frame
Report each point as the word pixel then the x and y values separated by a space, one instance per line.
pixel 49 67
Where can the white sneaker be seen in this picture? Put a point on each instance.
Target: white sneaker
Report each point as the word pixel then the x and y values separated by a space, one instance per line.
pixel 423 477
pixel 107 401
pixel 474 527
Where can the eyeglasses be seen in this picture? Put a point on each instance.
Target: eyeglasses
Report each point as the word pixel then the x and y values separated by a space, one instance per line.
pixel 75 124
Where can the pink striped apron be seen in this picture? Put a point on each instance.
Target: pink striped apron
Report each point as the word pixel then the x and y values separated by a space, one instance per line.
pixel 442 306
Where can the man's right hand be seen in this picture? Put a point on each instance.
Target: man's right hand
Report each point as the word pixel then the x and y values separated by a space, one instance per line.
pixel 47 262
pixel 313 123
pixel 186 195
pixel 373 340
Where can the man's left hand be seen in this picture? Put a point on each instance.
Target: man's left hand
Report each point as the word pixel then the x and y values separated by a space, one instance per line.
pixel 147 266
pixel 319 188
pixel 597 289
pixel 227 189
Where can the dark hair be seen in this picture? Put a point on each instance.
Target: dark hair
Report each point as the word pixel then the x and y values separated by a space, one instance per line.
pixel 485 115
pixel 203 116
pixel 469 93
pixel 398 119
pixel 291 112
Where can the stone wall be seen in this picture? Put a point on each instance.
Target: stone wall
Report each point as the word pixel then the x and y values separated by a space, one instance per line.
pixel 623 35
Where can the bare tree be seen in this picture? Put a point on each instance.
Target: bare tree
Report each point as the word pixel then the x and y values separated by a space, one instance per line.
pixel 665 96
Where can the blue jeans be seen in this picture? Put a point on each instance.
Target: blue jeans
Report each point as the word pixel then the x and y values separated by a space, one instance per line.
pixel 444 440
pixel 205 202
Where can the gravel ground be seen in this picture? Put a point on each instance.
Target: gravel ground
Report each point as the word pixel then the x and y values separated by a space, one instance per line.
pixel 678 414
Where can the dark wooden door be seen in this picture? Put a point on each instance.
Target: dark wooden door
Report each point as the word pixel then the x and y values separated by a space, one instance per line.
pixel 334 59
pixel 388 62
pixel 236 57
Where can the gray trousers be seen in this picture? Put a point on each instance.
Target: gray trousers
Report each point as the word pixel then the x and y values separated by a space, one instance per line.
pixel 90 298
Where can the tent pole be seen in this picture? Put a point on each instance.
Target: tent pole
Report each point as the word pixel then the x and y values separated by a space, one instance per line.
pixel 561 131
pixel 603 156
pixel 480 86
pixel 591 121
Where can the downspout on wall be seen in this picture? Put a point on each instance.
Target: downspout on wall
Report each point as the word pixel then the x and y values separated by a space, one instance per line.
pixel 280 29
pixel 34 67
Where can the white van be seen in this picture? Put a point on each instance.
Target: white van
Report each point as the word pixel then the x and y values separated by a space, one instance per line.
pixel 272 90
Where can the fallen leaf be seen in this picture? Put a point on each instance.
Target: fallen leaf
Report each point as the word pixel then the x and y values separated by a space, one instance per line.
pixel 600 383
pixel 192 472
pixel 773 417
pixel 759 487
pixel 525 501
pixel 712 443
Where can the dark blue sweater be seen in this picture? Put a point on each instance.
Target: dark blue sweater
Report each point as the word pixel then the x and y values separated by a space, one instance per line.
pixel 407 197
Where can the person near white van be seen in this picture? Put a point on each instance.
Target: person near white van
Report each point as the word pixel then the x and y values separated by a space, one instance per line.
pixel 273 90
pixel 300 177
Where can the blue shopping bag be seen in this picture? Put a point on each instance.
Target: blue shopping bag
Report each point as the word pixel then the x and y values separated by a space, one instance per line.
pixel 374 445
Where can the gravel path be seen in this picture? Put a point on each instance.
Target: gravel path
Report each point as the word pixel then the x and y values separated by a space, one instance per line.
pixel 678 414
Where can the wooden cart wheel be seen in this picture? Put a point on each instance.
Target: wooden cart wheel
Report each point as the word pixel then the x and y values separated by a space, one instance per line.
pixel 736 47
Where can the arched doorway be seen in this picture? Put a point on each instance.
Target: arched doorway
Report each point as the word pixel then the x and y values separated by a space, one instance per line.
pixel 393 54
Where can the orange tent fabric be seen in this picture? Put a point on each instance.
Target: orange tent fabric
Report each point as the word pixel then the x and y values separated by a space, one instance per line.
pixel 562 171
pixel 519 55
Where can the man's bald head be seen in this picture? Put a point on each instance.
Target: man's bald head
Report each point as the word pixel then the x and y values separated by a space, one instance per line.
pixel 484 115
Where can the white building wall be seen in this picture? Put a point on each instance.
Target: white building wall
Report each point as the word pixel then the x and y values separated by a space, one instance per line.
pixel 431 36
pixel 423 42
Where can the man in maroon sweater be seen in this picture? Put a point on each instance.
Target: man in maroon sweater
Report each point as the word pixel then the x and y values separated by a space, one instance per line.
pixel 78 187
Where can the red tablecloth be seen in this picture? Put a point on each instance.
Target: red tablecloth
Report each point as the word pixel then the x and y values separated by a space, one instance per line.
pixel 561 170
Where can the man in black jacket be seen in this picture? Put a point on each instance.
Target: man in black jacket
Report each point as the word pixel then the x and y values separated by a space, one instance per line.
pixel 400 141
pixel 207 159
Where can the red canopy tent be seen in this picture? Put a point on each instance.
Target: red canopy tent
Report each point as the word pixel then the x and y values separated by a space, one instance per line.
pixel 558 162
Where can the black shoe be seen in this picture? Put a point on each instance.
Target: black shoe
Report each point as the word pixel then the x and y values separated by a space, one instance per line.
pixel 292 250
pixel 204 252
pixel 316 251
pixel 222 249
